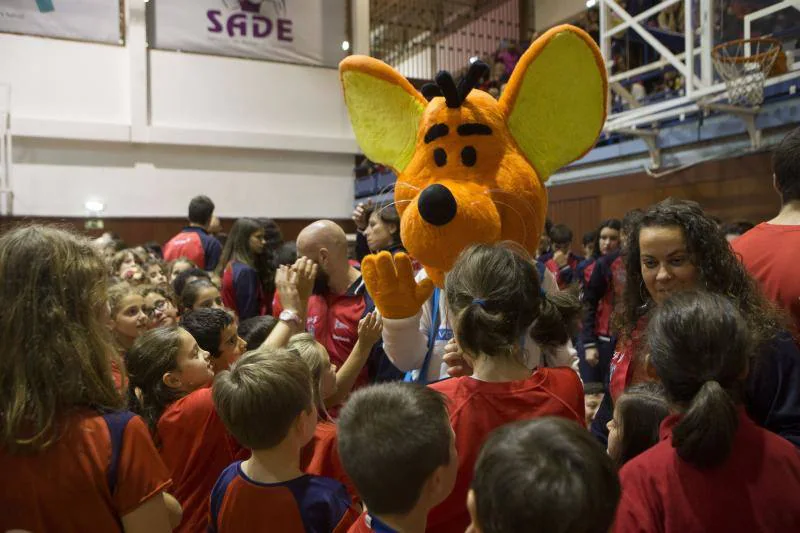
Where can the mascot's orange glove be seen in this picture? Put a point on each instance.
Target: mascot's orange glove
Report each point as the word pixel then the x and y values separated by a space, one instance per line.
pixel 391 284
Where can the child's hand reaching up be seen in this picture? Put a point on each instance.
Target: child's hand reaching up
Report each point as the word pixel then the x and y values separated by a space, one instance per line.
pixel 306 270
pixel 369 329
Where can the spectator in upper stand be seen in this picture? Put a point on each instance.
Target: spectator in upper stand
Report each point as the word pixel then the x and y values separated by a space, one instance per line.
pixel 545 244
pixel 734 230
pixel 378 229
pixel 563 262
pixel 194 241
pixel 588 243
pixel 770 250
pixel 242 288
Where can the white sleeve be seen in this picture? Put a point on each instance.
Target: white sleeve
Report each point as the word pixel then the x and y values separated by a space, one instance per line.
pixel 405 340
pixel 549 283
pixel 564 355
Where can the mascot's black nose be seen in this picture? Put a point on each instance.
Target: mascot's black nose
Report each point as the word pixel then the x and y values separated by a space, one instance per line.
pixel 437 205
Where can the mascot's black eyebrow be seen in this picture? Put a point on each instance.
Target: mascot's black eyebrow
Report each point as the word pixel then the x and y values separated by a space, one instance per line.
pixel 436 131
pixel 474 129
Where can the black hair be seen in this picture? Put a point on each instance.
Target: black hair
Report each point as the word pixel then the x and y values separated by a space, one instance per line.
pixel 182 279
pixel 786 166
pixel 266 259
pixel 699 346
pixel 493 292
pixel 286 254
pixel 640 411
pixel 392 438
pixel 560 234
pixel 593 387
pixel 206 326
pixel 739 227
pixel 589 238
pixel 548 226
pixel 612 223
pixel 191 291
pixel 255 330
pixel 154 248
pixel 201 209
pixel 544 475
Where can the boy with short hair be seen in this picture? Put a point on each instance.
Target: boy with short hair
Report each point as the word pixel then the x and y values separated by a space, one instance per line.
pixel 563 262
pixel 397 445
pixel 267 404
pixel 216 332
pixel 194 241
pixel 543 475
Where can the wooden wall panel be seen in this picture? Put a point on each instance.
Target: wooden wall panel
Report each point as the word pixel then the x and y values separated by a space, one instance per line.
pixel 738 188
pixel 136 231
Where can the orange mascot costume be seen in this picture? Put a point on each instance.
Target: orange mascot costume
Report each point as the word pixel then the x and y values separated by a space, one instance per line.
pixel 470 169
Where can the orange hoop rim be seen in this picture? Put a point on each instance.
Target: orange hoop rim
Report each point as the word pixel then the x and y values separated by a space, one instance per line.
pixel 775 50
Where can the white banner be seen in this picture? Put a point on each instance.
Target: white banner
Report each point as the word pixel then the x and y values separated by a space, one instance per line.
pixel 297 31
pixel 84 20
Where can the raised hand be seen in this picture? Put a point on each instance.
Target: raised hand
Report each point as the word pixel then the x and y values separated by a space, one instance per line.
pixel 370 328
pixel 286 286
pixel 391 284
pixel 306 271
pixel 360 216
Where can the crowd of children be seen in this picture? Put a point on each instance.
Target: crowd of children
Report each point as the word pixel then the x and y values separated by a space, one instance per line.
pixel 143 396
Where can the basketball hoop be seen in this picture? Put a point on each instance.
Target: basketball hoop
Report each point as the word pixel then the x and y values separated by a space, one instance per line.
pixel 744 65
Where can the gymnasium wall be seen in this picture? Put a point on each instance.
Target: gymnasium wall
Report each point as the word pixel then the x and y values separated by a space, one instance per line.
pixel 738 188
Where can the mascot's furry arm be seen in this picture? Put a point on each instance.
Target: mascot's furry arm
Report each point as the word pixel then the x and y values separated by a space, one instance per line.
pixel 471 168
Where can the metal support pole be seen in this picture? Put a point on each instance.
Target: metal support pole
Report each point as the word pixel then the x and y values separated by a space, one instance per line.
pixel 706 42
pixel 688 33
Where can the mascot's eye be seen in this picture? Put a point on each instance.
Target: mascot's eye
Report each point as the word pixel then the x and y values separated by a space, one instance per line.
pixel 469 156
pixel 440 157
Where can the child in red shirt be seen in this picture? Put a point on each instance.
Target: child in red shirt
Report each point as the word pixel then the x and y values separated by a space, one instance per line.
pixel 70 460
pixel 217 332
pixel 170 377
pixel 494 294
pixel 714 470
pixel 540 476
pixel 397 445
pixel 266 400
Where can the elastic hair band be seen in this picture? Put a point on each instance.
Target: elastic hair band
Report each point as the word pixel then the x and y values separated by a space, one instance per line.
pixel 479 301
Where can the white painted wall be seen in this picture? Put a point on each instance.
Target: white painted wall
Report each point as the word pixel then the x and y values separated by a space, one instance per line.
pixel 143 131
pixel 551 12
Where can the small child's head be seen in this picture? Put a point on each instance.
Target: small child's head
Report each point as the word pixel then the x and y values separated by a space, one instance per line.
pixel 159 306
pixel 638 414
pixel 164 365
pixel 124 262
pixel 592 398
pixel 174 268
pixel 397 445
pixel 272 385
pixel 128 319
pixel 561 236
pixel 154 273
pixel 216 332
pixel 323 372
pixel 543 475
pixel 187 276
pixel 255 330
pixel 494 295
pixel 200 294
pixel 699 347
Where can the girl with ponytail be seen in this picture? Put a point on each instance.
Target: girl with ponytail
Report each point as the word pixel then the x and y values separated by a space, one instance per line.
pixel 498 311
pixel 714 469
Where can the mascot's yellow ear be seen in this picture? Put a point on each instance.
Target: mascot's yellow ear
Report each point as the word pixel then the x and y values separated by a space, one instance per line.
pixel 555 101
pixel 385 110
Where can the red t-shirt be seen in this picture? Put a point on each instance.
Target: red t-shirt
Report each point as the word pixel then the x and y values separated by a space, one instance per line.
pixel 333 320
pixel 770 254
pixel 65 489
pixel 756 490
pixel 478 407
pixel 320 457
pixel 196 448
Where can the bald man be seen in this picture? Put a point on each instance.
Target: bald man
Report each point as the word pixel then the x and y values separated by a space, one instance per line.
pixel 340 298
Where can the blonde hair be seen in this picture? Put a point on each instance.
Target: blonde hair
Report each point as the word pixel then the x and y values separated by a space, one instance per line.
pixel 310 351
pixel 262 395
pixel 57 349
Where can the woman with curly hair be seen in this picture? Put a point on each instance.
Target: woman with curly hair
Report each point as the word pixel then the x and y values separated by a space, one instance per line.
pixel 674 247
